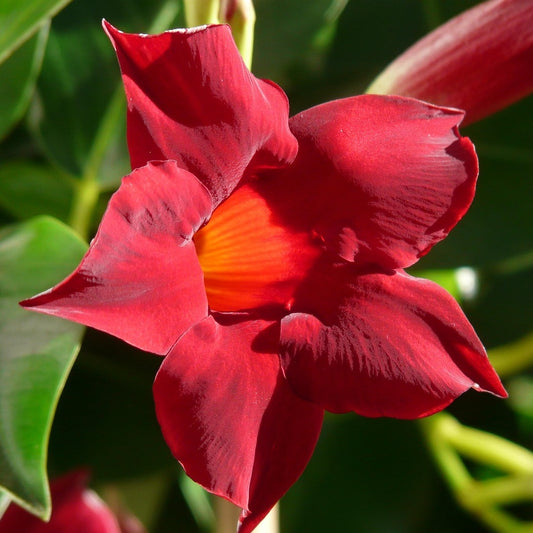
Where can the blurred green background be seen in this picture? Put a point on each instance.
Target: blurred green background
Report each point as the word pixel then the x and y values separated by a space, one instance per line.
pixel 62 118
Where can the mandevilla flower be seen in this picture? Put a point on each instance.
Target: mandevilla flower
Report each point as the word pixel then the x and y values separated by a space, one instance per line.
pixel 265 257
pixel 75 509
pixel 480 61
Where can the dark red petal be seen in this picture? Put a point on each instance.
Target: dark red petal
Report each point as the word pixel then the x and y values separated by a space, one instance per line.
pixel 396 346
pixel 75 509
pixel 192 99
pixel 230 418
pixel 381 179
pixel 140 280
pixel 480 61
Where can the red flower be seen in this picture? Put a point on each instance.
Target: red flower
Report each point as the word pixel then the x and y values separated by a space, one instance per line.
pixel 480 61
pixel 264 257
pixel 75 509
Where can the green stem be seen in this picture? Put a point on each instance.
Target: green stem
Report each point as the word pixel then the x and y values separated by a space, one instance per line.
pixel 485 448
pixel 198 502
pixel 242 25
pixel 200 12
pixel 87 189
pixel 432 13
pixel 5 500
pixel 86 194
pixel 513 265
pixel 513 358
pixel 495 519
pixel 503 491
pixel 242 21
pixel 226 515
pixel 447 440
pixel 448 461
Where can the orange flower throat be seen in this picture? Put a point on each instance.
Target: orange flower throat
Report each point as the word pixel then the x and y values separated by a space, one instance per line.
pixel 248 258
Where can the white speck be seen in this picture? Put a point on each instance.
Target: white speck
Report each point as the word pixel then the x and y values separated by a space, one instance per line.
pixel 467 282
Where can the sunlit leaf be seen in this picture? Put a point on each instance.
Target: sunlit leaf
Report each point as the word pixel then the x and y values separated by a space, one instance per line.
pixel 28 189
pixel 18 75
pixel 280 43
pixel 36 353
pixel 20 18
pixel 79 113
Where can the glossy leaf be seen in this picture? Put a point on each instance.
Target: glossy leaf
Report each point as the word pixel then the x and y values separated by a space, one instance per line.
pixel 19 74
pixel 28 189
pixel 79 117
pixel 116 432
pixel 5 500
pixel 36 354
pixel 280 43
pixel 19 19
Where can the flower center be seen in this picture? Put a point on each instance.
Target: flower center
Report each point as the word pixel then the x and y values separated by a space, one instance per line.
pixel 248 257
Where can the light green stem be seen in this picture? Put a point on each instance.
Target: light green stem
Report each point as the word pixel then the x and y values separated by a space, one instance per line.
pixel 448 440
pixel 484 447
pixel 513 358
pixel 432 13
pixel 226 515
pixel 242 21
pixel 86 194
pixel 445 456
pixel 242 25
pixel 503 491
pixel 497 520
pixel 5 500
pixel 199 503
pixel 87 189
pixel 200 12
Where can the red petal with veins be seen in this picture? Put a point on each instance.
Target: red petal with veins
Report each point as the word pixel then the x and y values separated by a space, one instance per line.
pixel 393 346
pixel 75 509
pixel 192 99
pixel 140 280
pixel 380 179
pixel 480 61
pixel 230 418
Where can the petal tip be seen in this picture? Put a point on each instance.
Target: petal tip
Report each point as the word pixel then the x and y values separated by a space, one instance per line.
pixel 496 388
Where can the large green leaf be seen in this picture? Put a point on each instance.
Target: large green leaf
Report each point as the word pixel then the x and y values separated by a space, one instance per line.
pixel 19 19
pixel 280 43
pixel 28 190
pixel 36 353
pixel 18 75
pixel 79 113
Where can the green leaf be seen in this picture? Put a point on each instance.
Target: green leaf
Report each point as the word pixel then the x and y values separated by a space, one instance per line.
pixel 280 43
pixel 19 74
pixel 36 354
pixel 28 190
pixel 77 82
pixel 79 113
pixel 19 19
pixel 112 431
pixel 5 500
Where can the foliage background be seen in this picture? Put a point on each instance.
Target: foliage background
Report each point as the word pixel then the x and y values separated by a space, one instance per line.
pixel 62 125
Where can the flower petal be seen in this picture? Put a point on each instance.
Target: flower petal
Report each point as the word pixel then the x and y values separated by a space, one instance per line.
pixel 381 179
pixel 140 280
pixel 74 509
pixel 479 61
pixel 192 99
pixel 230 418
pixel 395 346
